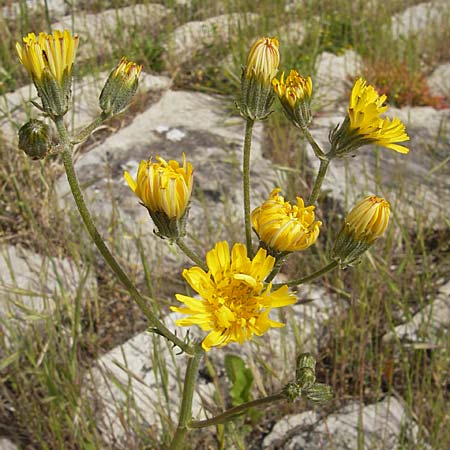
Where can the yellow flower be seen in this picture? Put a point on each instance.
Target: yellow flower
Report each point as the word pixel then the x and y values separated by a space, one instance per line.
pixel 295 97
pixel 120 87
pixel 365 223
pixel 369 219
pixel 165 190
pixel 364 124
pixel 283 227
pixel 234 302
pixel 55 53
pixel 49 60
pixel 263 59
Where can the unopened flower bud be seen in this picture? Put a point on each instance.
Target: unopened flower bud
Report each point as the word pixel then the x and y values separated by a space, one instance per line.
pixel 319 393
pixel 365 223
pixel 120 87
pixel 35 139
pixel 305 371
pixel 256 82
pixel 292 391
pixel 165 190
pixel 295 97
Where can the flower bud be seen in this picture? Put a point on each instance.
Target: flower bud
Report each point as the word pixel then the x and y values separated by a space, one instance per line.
pixel 165 190
pixel 49 60
pixel 365 223
pixel 295 97
pixel 256 82
pixel 34 139
pixel 120 87
pixel 282 227
pixel 319 393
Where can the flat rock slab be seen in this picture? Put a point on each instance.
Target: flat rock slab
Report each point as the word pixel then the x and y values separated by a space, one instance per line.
pixel 55 8
pixel 194 123
pixel 16 109
pixel 416 184
pixel 193 36
pixel 32 285
pixel 439 81
pixel 381 426
pixel 428 327
pixel 419 18
pixel 139 387
pixel 98 32
pixel 6 444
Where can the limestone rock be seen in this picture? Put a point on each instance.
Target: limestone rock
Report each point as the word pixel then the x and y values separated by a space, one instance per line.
pixel 416 183
pixel 30 284
pixel 193 36
pixel 189 122
pixel 429 326
pixel 16 107
pixel 439 81
pixel 130 380
pixel 6 444
pixel 383 426
pixel 98 31
pixel 332 82
pixel 55 8
pixel 419 18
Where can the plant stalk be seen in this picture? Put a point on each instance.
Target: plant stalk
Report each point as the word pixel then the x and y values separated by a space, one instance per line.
pixel 246 179
pixel 230 413
pixel 324 163
pixel 100 244
pixel 332 265
pixel 178 441
pixel 190 254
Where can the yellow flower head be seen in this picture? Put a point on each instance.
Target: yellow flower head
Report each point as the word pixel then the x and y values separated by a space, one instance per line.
pixel 163 186
pixel 263 59
pixel 55 53
pixel 284 227
pixel 294 90
pixel 369 219
pixel 364 112
pixel 127 71
pixel 234 302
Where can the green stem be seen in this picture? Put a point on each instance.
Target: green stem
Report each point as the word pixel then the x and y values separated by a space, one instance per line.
pixel 315 146
pixel 230 413
pixel 190 254
pixel 87 131
pixel 276 268
pixel 178 441
pixel 332 265
pixel 95 235
pixel 246 179
pixel 324 163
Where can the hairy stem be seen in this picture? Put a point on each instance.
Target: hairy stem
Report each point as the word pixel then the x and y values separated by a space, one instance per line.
pixel 230 413
pixel 100 244
pixel 315 146
pixel 178 441
pixel 332 265
pixel 324 163
pixel 191 255
pixel 246 178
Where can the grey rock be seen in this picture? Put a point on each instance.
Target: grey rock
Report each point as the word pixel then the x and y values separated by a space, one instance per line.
pixel 333 79
pixel 418 18
pixel 98 31
pixel 212 142
pixel 382 426
pixel 439 81
pixel 194 36
pixel 31 284
pixel 6 444
pixel 130 382
pixel 55 8
pixel 429 326
pixel 16 109
pixel 418 182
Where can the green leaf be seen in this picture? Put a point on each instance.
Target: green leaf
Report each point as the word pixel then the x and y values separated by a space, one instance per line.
pixel 241 379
